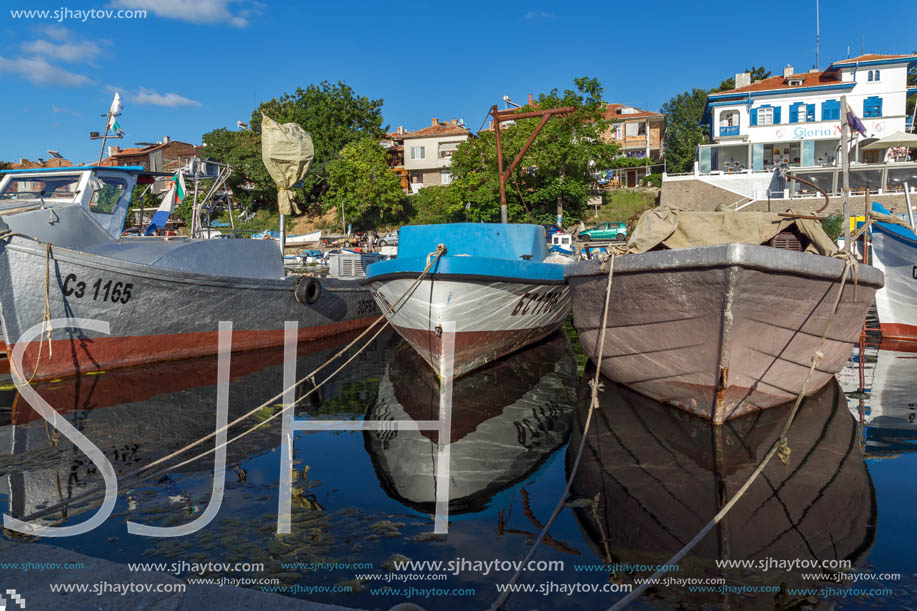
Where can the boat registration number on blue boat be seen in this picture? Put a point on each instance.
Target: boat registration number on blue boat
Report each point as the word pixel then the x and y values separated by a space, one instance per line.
pixel 100 290
pixel 537 303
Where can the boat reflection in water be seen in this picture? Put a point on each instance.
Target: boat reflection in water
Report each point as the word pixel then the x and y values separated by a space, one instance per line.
pixel 658 475
pixel 507 419
pixel 137 415
pixel 887 406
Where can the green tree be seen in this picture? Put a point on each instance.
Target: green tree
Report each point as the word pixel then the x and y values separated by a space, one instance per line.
pixel 360 181
pixel 5 165
pixel 758 73
pixel 335 116
pixel 684 132
pixel 556 171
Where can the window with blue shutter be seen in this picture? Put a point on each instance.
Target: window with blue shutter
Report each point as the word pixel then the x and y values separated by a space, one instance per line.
pixel 877 75
pixel 753 117
pixel 810 112
pixel 794 112
pixel 830 110
pixel 776 115
pixel 872 107
pixel 870 76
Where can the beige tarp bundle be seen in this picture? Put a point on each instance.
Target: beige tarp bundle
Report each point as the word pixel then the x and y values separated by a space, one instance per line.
pixel 674 228
pixel 287 153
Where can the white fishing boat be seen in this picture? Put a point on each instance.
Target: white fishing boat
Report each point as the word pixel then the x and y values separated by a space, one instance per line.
pixel 894 251
pixel 491 287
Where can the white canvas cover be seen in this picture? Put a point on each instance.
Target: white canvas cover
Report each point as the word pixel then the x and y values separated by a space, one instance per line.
pixel 287 153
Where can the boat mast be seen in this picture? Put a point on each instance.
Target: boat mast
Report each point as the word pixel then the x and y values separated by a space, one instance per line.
pixel 845 163
pixel 511 115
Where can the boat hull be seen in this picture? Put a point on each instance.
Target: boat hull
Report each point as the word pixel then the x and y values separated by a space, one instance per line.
pixel 164 315
pixel 896 255
pixel 720 331
pixel 492 318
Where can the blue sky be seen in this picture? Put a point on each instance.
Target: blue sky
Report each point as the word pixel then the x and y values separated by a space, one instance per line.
pixel 192 66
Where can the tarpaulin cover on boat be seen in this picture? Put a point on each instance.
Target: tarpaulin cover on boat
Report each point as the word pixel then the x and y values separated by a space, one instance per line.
pixel 674 228
pixel 287 153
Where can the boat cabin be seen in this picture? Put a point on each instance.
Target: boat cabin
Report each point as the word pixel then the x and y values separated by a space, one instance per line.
pixel 84 209
pixel 104 193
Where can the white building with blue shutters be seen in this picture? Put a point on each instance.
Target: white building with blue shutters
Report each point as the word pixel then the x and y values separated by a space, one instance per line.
pixel 794 119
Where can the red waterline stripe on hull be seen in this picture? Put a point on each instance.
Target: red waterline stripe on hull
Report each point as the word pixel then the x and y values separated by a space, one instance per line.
pixel 898 331
pixel 473 348
pixel 75 356
pixel 133 385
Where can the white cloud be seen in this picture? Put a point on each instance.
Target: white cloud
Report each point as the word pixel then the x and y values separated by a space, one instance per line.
pixel 149 97
pixel 539 15
pixel 69 51
pixel 37 70
pixel 170 100
pixel 55 32
pixel 64 111
pixel 198 11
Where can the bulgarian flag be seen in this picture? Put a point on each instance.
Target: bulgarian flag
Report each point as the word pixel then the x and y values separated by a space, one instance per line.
pixel 175 194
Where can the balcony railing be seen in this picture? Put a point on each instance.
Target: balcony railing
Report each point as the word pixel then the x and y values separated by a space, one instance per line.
pixel 729 130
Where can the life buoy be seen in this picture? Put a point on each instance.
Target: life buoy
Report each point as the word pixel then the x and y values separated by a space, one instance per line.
pixel 307 290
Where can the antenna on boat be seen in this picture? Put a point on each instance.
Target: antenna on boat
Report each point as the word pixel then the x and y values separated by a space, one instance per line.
pixel 110 123
pixel 845 164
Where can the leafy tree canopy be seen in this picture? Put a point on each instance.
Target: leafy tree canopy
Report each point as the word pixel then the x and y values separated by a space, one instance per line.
pixel 360 181
pixel 684 132
pixel 332 113
pixel 557 168
pixel 758 73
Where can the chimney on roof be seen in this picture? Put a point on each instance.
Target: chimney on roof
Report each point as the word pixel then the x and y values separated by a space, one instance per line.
pixel 788 71
pixel 22 160
pixel 401 130
pixel 434 122
pixel 454 121
pixel 743 79
pixel 531 100
pixel 165 139
pixel 811 70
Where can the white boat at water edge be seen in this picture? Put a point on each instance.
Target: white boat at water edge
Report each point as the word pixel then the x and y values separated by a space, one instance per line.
pixel 894 251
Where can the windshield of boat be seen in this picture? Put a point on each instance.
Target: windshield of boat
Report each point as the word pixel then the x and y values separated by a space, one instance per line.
pixel 106 191
pixel 29 188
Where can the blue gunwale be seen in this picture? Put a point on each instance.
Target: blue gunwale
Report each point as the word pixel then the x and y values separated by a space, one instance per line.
pixel 77 168
pixel 895 232
pixel 474 251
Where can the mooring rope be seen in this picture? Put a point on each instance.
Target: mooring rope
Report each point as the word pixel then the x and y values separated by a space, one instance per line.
pixel 779 447
pixel 46 321
pixel 432 259
pixel 597 387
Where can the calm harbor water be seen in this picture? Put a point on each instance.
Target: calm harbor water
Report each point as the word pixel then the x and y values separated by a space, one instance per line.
pixel 649 479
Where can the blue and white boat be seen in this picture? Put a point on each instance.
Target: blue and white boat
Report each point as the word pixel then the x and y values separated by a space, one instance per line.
pixel 492 287
pixel 894 251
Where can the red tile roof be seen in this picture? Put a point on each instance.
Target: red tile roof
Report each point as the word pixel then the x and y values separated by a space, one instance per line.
pixel 613 111
pixel 440 129
pixel 809 79
pixel 869 57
